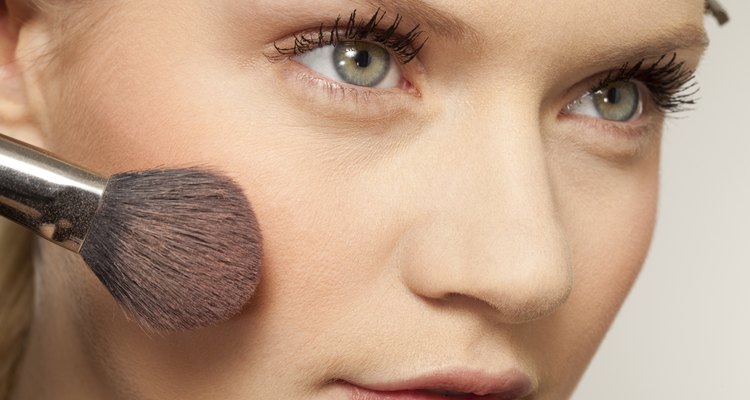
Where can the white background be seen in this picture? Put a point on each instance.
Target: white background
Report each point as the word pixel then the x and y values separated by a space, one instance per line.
pixel 684 332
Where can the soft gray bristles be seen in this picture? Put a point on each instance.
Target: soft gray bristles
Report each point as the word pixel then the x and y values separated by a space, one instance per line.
pixel 177 248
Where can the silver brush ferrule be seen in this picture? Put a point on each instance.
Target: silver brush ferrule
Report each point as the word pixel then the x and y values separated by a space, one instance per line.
pixel 55 199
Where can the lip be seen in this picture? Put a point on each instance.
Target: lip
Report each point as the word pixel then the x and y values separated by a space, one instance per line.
pixel 509 385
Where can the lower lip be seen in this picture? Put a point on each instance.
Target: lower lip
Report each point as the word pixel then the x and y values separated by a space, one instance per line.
pixel 358 393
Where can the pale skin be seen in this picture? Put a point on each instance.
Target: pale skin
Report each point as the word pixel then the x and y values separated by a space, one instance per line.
pixel 462 221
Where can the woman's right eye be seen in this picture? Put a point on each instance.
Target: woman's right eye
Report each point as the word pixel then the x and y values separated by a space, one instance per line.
pixel 355 62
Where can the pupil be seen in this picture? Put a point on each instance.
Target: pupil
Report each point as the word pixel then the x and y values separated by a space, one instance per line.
pixel 361 63
pixel 363 59
pixel 613 96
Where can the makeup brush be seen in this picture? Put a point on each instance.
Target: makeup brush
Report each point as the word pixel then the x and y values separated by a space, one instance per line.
pixel 177 248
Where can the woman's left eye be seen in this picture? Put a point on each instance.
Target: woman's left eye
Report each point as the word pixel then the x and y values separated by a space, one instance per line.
pixel 619 101
pixel 355 62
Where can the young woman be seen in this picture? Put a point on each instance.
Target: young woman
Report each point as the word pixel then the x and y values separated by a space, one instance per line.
pixel 455 197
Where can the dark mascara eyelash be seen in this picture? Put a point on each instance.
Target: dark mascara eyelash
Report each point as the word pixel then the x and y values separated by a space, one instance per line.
pixel 404 46
pixel 672 86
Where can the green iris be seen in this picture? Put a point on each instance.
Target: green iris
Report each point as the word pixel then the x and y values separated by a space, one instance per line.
pixel 361 63
pixel 618 101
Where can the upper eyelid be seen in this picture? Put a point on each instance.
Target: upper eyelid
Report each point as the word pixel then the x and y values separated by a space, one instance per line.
pixel 671 85
pixel 589 78
pixel 277 53
pixel 405 45
pixel 587 86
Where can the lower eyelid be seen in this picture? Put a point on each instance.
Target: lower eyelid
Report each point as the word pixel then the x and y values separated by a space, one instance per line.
pixel 324 66
pixel 343 90
pixel 616 141
pixel 324 98
pixel 349 91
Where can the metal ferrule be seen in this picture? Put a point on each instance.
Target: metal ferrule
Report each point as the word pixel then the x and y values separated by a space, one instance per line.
pixel 55 199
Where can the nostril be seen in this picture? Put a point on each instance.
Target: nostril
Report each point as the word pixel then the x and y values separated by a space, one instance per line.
pixel 525 286
pixel 533 290
pixel 512 272
pixel 518 303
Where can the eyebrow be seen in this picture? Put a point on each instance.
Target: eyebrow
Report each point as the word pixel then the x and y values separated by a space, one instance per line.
pixel 669 40
pixel 444 24
pixel 427 16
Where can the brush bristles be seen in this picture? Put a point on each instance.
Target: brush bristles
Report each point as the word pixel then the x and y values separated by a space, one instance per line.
pixel 177 248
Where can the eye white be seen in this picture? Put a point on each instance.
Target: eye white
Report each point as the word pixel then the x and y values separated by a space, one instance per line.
pixel 586 106
pixel 321 60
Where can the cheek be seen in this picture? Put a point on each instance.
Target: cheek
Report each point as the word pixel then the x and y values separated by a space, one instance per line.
pixel 137 110
pixel 129 101
pixel 609 215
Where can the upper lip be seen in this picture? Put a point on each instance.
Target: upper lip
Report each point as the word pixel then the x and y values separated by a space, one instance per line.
pixel 511 384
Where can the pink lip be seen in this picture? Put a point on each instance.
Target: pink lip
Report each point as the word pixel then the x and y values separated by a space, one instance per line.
pixel 476 385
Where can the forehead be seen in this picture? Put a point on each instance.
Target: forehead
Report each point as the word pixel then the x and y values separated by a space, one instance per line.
pixel 532 25
pixel 538 14
pixel 544 22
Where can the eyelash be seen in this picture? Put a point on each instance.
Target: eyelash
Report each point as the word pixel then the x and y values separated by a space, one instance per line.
pixel 404 47
pixel 671 85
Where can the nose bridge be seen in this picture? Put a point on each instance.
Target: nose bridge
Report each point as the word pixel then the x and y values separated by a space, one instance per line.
pixel 491 232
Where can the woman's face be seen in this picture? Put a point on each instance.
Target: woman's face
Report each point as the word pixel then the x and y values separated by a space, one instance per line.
pixel 473 224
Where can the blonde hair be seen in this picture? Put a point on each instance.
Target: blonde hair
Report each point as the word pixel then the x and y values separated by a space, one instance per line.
pixel 16 297
pixel 16 283
pixel 16 267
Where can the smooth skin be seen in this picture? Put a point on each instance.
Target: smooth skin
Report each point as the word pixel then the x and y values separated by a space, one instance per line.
pixel 460 221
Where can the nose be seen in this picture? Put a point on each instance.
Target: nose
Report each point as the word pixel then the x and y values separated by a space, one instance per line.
pixel 488 229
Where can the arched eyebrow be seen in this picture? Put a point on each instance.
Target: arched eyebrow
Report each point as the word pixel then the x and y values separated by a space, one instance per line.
pixel 687 37
pixel 443 24
pixel 680 37
pixel 428 17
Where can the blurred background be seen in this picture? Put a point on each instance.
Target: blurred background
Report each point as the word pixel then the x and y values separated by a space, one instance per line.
pixel 684 332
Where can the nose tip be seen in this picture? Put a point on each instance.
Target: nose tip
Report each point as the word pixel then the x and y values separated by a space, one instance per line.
pixel 488 227
pixel 518 272
pixel 524 280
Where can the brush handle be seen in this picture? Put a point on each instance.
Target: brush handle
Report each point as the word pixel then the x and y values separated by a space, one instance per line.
pixel 53 198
